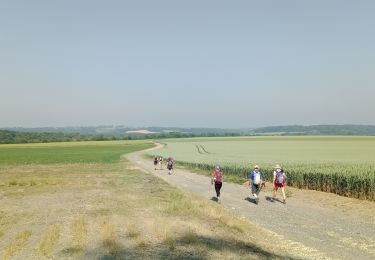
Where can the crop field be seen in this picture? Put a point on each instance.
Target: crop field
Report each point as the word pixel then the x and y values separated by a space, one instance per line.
pixel 341 165
pixel 78 152
pixel 85 201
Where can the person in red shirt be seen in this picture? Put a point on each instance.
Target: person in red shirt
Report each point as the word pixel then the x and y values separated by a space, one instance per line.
pixel 279 181
pixel 217 179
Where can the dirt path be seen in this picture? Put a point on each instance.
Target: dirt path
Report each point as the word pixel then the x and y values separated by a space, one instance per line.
pixel 339 227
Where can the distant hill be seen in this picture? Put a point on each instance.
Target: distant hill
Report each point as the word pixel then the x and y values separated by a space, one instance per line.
pixel 120 131
pixel 34 136
pixel 317 130
pixel 100 133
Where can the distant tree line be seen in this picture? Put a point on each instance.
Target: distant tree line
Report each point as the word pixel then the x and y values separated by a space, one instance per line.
pixel 175 135
pixel 15 137
pixel 317 130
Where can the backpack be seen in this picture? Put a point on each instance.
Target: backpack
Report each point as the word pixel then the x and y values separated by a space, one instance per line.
pixel 257 178
pixel 218 177
pixel 280 178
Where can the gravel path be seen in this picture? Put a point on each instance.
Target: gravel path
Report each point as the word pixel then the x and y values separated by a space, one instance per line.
pixel 338 227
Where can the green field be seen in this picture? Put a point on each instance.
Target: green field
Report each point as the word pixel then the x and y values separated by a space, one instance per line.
pixel 71 152
pixel 341 165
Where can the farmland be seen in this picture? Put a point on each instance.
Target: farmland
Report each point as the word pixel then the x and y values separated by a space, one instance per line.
pixel 86 201
pixel 341 165
pixel 70 152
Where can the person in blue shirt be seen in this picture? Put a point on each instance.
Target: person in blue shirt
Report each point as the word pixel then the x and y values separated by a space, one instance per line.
pixel 256 181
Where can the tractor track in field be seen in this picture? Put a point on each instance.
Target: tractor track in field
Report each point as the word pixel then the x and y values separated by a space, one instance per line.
pixel 337 227
pixel 201 149
pixel 204 149
pixel 198 149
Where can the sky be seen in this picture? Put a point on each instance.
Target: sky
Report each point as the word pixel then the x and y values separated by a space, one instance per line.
pixel 196 63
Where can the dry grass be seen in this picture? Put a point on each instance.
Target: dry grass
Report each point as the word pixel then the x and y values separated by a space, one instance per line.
pixel 49 240
pixel 79 234
pixel 131 231
pixel 30 182
pixel 109 237
pixel 17 244
pixel 5 221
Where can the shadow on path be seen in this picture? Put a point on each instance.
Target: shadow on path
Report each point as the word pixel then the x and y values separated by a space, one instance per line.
pixel 251 200
pixel 271 199
pixel 215 199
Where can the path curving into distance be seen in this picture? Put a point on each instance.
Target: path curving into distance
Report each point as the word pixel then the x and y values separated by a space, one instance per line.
pixel 337 227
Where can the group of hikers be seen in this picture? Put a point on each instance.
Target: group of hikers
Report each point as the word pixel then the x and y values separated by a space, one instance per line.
pixel 255 176
pixel 158 161
pixel 256 182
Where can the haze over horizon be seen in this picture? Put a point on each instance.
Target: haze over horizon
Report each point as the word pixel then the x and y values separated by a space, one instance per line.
pixel 221 64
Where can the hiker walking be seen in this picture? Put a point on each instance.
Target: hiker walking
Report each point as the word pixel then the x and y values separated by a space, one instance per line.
pixel 217 179
pixel 161 162
pixel 170 165
pixel 279 181
pixel 156 161
pixel 256 182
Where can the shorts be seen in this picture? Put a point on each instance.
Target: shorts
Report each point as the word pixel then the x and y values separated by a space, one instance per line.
pixel 277 185
pixel 255 188
pixel 170 168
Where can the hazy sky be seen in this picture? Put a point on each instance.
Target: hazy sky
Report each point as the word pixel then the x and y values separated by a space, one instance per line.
pixel 186 63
